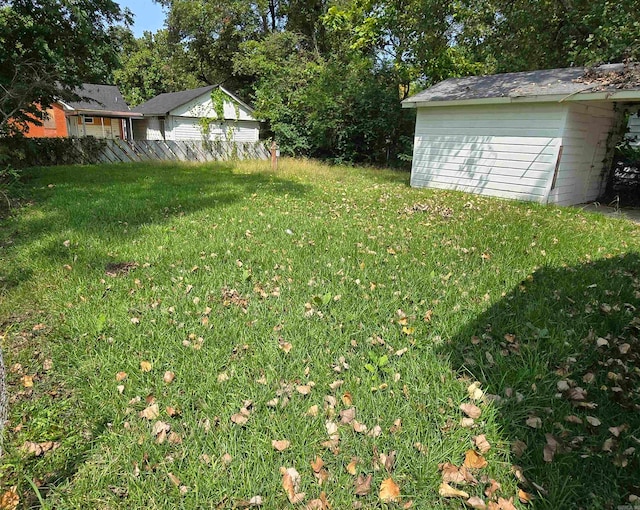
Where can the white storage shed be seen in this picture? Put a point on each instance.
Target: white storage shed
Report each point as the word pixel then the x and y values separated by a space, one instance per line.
pixel 542 136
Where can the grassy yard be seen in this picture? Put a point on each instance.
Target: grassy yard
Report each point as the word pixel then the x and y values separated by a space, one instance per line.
pixel 162 325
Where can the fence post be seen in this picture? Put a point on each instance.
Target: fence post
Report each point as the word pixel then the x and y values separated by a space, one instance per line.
pixel 274 155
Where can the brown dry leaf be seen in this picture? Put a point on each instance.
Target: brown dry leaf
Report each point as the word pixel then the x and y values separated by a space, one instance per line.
pixel 336 384
pixel 616 431
pixel 473 460
pixel 573 419
pixel 524 497
pixel 240 418
pixel 317 464
pixel 253 502
pixel 376 431
pixel 226 459
pixel 550 448
pixel 396 427
pixel 38 449
pixel 476 502
pixel 446 491
pixel 291 484
pixel 482 444
pixel 492 489
pixel 27 381
pixel 467 422
pixel 280 445
pixel 347 399
pixel 359 427
pixel 168 377
pixel 145 366
pixel 313 411
pixel 10 499
pixel 303 389
pixel 593 421
pixel 363 484
pixel 389 491
pixel 121 376
pixel 285 346
pixel 471 410
pixel 474 391
pixel 150 413
pixel 454 474
pixel 351 467
pixel 347 415
pixel 534 422
pixel 174 479
pixel 320 503
pixel 506 504
pixel 172 411
pixel 331 426
pixel 175 438
pixel 518 447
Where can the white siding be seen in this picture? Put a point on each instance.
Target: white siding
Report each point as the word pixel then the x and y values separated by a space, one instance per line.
pixel 499 150
pixel 584 145
pixel 634 129
pixel 187 128
pixel 202 106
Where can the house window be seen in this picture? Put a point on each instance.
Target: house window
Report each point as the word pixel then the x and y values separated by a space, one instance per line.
pixel 49 120
pixel 88 120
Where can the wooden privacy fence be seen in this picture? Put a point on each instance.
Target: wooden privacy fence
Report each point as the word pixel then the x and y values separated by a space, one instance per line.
pixel 122 151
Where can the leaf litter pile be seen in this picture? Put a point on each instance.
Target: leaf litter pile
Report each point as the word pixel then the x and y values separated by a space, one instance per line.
pixel 319 338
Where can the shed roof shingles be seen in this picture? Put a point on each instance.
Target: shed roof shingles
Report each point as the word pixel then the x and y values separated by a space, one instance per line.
pixel 546 82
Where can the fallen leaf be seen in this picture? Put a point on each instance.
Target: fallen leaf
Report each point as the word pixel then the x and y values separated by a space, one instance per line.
pixel 27 381
pixel 331 427
pixel 121 376
pixel 290 484
pixel 285 346
pixel 359 427
pixel 351 467
pixel 471 410
pixel 473 460
pixel 474 391
pixel 280 445
pixel 476 503
pixel 10 499
pixel 175 438
pixel 505 504
pixel 317 464
pixel 347 415
pixel 150 413
pixel 446 491
pixel 39 449
pixel 239 418
pixel 467 422
pixel 347 399
pixel 226 459
pixel 593 421
pixel 303 389
pixel 389 491
pixel 454 474
pixel 145 366
pixel 313 411
pixel 168 377
pixel 492 489
pixel 336 384
pixel 363 485
pixel 518 447
pixel 534 422
pixel 482 444
pixel 396 427
pixel 174 479
pixel 376 431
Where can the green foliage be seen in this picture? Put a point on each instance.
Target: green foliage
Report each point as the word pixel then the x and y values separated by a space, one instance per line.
pixel 49 47
pixel 218 98
pixel 152 66
pixel 20 152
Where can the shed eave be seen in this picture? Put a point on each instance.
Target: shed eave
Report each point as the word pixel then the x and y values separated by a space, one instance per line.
pixel 610 95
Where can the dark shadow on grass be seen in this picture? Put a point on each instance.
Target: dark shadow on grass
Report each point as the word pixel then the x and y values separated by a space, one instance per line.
pixel 556 317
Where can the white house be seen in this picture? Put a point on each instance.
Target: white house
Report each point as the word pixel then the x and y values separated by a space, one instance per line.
pixel 539 135
pixel 209 113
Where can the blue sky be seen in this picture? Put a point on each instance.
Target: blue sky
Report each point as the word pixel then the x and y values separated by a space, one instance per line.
pixel 148 15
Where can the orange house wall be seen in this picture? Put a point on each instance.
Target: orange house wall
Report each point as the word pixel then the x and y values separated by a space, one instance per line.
pixel 59 131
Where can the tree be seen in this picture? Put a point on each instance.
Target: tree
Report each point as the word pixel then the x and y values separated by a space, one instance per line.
pixel 47 49
pixel 151 66
pixel 521 35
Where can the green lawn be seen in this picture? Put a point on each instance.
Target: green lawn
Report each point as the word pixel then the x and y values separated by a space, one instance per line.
pixel 335 291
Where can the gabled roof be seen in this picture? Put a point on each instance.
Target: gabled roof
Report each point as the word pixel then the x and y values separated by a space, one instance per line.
pixel 572 83
pixel 162 104
pixel 96 98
